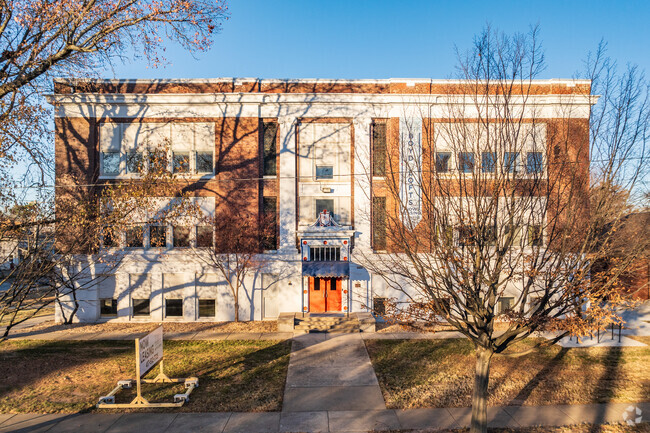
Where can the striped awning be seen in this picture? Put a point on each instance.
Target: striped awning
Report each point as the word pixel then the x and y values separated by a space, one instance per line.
pixel 325 269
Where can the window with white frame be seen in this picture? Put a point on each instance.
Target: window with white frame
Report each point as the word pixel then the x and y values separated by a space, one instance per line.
pixel 506 303
pixel 534 162
pixel 442 162
pixel 470 146
pixel 311 207
pixel 110 142
pixel 325 150
pixel 126 148
pixel 192 148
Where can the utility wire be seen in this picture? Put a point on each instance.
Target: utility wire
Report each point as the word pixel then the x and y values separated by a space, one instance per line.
pixel 212 178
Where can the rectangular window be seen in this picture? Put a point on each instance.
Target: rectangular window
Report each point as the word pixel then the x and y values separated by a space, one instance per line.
pixel 511 162
pixel 134 237
pixel 535 237
pixel 173 308
pixel 111 163
pixel 207 307
pixel 324 254
pixel 204 162
pixel 181 236
pixel 513 235
pixel 270 135
pixel 134 162
pixel 157 236
pixel 181 162
pixel 534 162
pixel 506 303
pixel 204 238
pixel 466 236
pixel 140 307
pixel 324 204
pixel 108 238
pixel 442 162
pixel 270 223
pixel 157 160
pixel 490 235
pixel 379 149
pixel 379 223
pixel 324 172
pixel 466 162
pixel 488 162
pixel 445 235
pixel 379 306
pixel 108 307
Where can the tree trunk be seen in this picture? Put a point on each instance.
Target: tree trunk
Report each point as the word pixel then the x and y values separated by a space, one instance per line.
pixel 236 310
pixel 75 309
pixel 479 397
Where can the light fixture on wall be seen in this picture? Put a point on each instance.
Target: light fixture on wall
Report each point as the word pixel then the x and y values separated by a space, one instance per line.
pixel 326 189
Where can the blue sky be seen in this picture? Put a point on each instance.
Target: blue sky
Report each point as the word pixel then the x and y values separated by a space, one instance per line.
pixel 414 39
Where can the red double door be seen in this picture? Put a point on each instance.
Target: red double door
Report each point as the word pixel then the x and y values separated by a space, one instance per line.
pixel 325 294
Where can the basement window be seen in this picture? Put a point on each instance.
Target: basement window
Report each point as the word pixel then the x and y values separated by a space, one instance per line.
pixel 379 306
pixel 173 308
pixel 107 307
pixel 140 307
pixel 207 307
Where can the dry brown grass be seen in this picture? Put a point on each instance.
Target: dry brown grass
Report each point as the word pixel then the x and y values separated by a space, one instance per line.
pixel 173 327
pixel 421 327
pixel 439 373
pixel 70 376
pixel 583 428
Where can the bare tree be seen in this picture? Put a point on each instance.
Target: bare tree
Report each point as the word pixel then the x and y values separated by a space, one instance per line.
pixel 42 40
pixel 73 250
pixel 235 251
pixel 490 229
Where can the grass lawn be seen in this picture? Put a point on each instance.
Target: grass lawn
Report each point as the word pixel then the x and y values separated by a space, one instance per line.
pixel 440 373
pixel 145 327
pixel 70 376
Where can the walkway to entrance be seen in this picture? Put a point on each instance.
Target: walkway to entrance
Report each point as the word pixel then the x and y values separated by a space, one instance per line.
pixel 331 372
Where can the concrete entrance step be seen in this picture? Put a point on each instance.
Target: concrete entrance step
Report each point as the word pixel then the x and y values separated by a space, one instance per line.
pixel 326 322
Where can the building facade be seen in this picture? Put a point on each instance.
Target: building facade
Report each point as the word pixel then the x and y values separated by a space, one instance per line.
pixel 310 155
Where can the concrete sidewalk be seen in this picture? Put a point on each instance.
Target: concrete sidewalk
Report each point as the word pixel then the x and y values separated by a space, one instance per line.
pixel 322 421
pixel 330 372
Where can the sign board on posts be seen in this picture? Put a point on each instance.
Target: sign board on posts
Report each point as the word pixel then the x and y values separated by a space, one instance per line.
pixel 150 350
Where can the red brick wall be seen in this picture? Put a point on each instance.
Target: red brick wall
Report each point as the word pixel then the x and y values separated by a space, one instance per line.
pixel 267 86
pixel 236 185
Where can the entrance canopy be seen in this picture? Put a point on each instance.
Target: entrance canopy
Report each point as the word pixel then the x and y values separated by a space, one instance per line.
pixel 326 269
